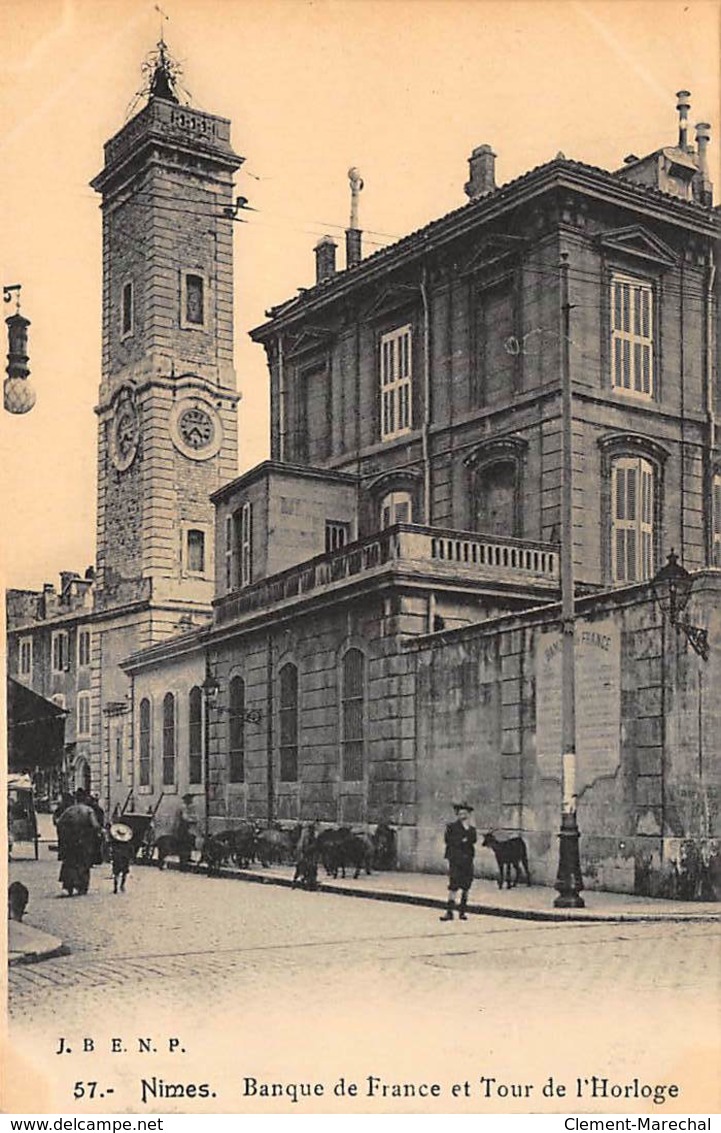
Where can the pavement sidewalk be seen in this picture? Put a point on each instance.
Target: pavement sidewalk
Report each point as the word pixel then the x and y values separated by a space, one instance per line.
pixel 526 902
pixel 28 945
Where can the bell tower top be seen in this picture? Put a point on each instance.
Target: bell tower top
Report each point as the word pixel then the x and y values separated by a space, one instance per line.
pixel 167 195
pixel 164 74
pixel 167 407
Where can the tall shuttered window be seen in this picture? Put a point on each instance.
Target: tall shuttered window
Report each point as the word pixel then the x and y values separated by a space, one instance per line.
pixel 25 667
pixel 245 544
pixel 632 336
pixel 396 507
pixel 632 519
pixel 60 651
pixel 195 735
pixel 168 740
pixel 236 729
pixel 83 714
pixel 716 521
pixel 396 374
pixel 144 745
pixel 288 712
pixel 229 552
pixel 353 714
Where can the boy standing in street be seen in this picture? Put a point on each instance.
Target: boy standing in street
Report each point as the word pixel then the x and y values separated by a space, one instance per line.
pixel 460 840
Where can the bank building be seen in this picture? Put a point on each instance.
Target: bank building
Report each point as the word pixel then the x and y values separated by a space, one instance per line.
pixel 368 624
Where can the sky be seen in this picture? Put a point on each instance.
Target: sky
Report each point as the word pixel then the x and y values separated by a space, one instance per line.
pixel 402 89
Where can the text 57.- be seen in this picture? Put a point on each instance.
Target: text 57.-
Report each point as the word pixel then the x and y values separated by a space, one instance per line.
pixel 90 1090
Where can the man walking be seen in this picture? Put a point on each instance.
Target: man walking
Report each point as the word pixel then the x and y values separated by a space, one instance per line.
pixel 460 839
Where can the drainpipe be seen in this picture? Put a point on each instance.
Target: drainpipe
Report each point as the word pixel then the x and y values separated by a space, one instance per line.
pixel 426 397
pixel 270 787
pixel 281 401
pixel 708 389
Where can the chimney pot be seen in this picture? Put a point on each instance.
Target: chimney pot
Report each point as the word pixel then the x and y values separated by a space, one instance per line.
pixel 703 137
pixel 481 171
pixel 683 105
pixel 325 251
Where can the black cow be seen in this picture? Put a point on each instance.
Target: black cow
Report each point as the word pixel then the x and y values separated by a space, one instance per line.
pixel 509 852
pixel 241 843
pixel 343 849
pixel 168 844
pixel 276 846
pixel 216 852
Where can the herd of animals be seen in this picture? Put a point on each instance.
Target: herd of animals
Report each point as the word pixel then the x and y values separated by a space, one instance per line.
pixel 336 850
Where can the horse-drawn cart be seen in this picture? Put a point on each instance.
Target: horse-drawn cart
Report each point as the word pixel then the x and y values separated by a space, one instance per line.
pixel 143 828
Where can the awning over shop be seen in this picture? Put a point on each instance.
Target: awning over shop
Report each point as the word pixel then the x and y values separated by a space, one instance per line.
pixel 36 729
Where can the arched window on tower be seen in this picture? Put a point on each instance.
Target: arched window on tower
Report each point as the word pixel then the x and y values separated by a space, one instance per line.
pixel 236 728
pixel 195 736
pixel 353 716
pixel 168 740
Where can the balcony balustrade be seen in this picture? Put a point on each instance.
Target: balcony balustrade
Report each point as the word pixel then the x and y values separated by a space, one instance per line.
pixel 410 549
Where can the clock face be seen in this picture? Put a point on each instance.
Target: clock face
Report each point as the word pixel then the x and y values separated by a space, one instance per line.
pixel 125 434
pixel 196 428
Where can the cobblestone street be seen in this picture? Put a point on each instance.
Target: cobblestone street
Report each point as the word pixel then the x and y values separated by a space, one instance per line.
pixel 242 972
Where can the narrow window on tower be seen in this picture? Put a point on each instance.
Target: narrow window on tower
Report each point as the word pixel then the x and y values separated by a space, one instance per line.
pixel 193 300
pixel 126 310
pixel 196 551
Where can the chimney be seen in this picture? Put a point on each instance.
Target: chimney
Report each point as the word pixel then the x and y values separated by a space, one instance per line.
pixel 353 250
pixel 703 137
pixel 66 577
pixel 683 106
pixel 325 258
pixel 482 172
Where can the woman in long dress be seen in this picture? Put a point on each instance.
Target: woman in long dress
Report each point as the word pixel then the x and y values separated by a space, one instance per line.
pixel 78 838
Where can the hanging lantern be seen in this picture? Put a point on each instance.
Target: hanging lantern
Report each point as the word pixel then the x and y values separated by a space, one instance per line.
pixel 19 395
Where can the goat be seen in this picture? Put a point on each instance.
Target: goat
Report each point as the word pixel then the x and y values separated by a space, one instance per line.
pixel 510 852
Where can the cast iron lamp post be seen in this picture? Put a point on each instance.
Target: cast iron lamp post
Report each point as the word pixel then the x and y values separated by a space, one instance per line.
pixel 569 881
pixel 671 588
pixel 211 688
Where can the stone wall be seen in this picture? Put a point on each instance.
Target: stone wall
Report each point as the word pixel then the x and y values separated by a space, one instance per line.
pixel 648 741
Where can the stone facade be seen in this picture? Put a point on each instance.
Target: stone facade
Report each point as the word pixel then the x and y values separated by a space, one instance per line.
pixel 415 656
pixel 167 430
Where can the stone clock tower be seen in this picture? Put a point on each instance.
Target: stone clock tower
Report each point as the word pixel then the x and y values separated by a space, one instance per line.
pixel 167 404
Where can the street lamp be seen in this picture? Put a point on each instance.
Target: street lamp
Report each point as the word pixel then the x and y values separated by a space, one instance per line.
pixel 18 393
pixel 671 588
pixel 211 688
pixel 569 882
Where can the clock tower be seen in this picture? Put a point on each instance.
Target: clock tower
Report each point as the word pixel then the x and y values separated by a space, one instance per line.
pixel 167 406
